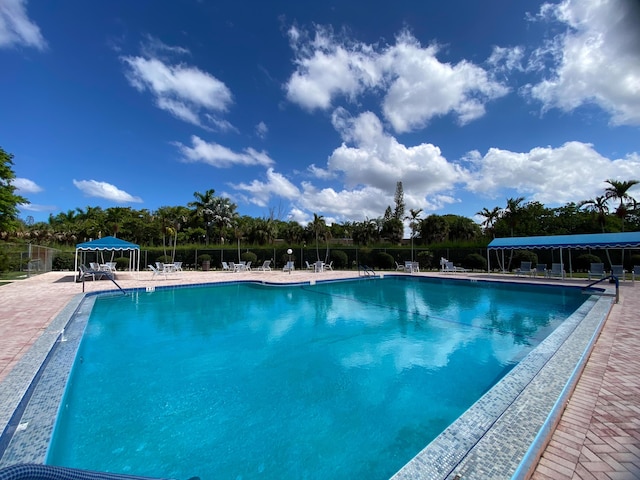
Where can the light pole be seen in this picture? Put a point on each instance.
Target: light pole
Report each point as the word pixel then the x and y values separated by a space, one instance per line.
pixel 289 252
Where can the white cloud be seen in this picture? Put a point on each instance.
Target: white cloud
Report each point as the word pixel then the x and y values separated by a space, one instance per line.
pixel 379 160
pixel 594 61
pixel 24 185
pixel 184 91
pixel 347 204
pixel 219 156
pixel 415 84
pixel 262 130
pixel 422 87
pixel 16 29
pixel 326 68
pixel 552 176
pixel 34 207
pixel 276 184
pixel 93 188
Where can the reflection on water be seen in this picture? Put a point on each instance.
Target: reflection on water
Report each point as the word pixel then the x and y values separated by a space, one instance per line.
pixel 335 380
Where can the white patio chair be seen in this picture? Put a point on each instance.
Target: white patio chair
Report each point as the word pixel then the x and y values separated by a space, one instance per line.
pixel 265 267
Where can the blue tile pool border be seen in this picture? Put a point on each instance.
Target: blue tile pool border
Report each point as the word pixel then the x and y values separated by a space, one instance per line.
pixel 496 438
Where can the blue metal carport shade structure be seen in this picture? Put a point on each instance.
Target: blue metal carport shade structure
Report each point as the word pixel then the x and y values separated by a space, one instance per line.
pixel 111 244
pixel 590 240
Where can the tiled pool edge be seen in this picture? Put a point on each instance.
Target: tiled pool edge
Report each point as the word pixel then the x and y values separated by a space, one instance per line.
pixel 475 470
pixel 14 387
pixel 58 343
pixel 474 446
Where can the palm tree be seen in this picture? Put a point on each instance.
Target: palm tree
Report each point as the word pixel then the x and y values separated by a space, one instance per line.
pixel 414 215
pixel 318 227
pixel 223 214
pixel 511 212
pixel 203 206
pixel 490 218
pixel 618 190
pixel 597 206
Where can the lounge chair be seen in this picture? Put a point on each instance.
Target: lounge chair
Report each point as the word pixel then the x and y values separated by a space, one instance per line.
pixel 157 271
pixel 289 267
pixel 557 270
pixel 177 266
pixel 596 270
pixel 309 266
pixel 265 267
pixel 247 266
pixel 449 267
pixel 634 272
pixel 411 267
pixel 399 267
pixel 525 269
pixel 618 271
pixel 225 267
pixel 90 273
pixel 329 266
pixel 541 269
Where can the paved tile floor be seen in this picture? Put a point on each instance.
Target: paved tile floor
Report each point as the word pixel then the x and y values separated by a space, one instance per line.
pixel 598 436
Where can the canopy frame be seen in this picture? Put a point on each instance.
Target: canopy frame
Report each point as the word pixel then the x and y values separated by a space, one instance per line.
pixel 619 240
pixel 113 245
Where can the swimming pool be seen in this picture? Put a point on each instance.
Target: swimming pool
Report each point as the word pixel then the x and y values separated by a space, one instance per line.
pixel 365 362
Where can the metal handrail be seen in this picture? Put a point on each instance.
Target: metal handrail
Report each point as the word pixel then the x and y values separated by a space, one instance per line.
pixel 610 277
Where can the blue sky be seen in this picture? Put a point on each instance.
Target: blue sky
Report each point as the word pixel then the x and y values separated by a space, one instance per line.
pixel 292 108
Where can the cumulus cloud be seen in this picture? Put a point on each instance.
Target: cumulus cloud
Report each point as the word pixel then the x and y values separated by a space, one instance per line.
pixel 594 61
pixel 24 185
pixel 422 87
pixel 219 156
pixel 416 85
pixel 16 29
pixel 548 175
pixel 186 92
pixel 376 158
pixel 276 184
pixel 93 188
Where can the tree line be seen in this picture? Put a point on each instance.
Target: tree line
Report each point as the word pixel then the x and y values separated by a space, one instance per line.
pixel 214 220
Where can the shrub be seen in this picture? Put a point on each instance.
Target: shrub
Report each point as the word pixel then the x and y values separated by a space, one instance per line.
pixel 425 259
pixel 583 262
pixel 4 262
pixel 384 261
pixel 633 261
pixel 164 259
pixel 365 256
pixel 475 261
pixel 249 257
pixel 122 263
pixel 205 257
pixel 63 261
pixel 339 259
pixel 520 256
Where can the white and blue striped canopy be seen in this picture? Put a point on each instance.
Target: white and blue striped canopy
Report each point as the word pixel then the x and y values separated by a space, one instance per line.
pixel 590 240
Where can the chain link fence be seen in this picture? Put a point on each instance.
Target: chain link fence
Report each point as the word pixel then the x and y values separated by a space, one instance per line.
pixel 32 259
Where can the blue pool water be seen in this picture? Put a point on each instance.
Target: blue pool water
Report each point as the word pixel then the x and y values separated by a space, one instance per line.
pixel 334 380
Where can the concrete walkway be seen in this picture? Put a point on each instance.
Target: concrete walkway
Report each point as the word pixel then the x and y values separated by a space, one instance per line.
pixel 598 436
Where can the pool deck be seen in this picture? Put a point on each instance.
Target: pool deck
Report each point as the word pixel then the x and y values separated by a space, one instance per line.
pixel 597 437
